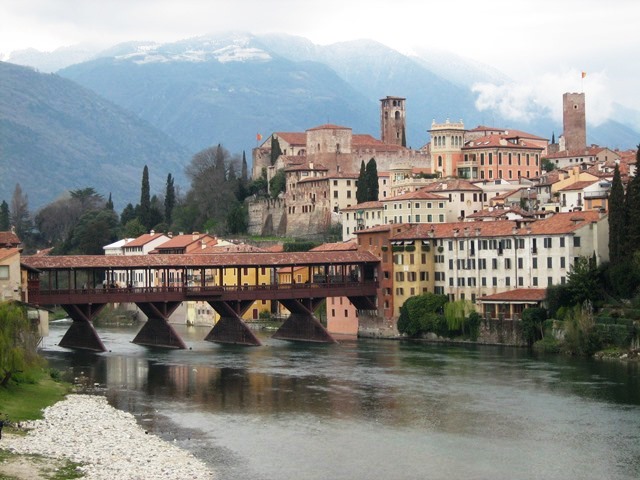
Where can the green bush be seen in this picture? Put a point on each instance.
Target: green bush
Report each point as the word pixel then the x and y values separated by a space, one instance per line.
pixel 547 345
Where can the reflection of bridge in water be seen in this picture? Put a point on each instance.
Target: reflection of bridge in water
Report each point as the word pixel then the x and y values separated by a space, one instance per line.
pixel 158 284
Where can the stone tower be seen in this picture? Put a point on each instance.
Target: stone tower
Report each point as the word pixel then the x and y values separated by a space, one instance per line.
pixel 393 121
pixel 574 122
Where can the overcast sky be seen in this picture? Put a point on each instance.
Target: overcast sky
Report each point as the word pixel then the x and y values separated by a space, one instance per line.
pixel 538 43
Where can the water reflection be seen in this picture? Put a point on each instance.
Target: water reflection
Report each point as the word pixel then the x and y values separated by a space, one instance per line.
pixel 373 409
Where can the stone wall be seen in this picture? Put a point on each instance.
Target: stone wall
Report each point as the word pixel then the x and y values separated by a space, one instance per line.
pixel 267 216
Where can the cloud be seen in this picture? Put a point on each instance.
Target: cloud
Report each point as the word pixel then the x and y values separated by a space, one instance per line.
pixel 542 96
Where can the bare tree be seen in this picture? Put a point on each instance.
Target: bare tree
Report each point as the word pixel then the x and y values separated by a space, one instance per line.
pixel 20 216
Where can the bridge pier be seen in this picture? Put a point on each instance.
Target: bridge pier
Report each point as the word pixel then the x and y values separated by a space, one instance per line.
pixel 302 325
pixel 82 334
pixel 157 331
pixel 230 328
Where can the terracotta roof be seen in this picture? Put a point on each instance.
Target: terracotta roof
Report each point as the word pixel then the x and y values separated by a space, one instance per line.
pixel 293 138
pixel 182 241
pixel 507 132
pixel 520 294
pixel 499 212
pixel 422 194
pixel 336 247
pixel 578 185
pixel 8 252
pixel 451 185
pixel 143 240
pixel 363 206
pixel 328 126
pixel 557 224
pixel 301 167
pixel 233 248
pixel 9 238
pixel 265 259
pixel 499 141
pixel 377 228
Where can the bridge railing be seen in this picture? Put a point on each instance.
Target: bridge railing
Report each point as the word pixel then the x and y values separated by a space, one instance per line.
pixel 183 293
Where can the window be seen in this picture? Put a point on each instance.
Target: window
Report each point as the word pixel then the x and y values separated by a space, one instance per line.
pixel 562 242
pixel 563 262
pixel 507 281
pixel 4 272
pixel 535 281
pixel 549 262
pixel 535 262
pixel 483 281
pixel 494 281
pixel 547 242
pixel 576 241
pixel 507 263
pixel 520 263
pixel 494 263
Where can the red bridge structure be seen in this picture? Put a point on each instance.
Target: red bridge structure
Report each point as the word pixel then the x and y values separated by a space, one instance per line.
pixel 163 281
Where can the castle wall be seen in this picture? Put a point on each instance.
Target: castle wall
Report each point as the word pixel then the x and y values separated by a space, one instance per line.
pixel 267 217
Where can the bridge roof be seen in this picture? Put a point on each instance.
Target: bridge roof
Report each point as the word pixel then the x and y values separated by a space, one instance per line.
pixel 265 259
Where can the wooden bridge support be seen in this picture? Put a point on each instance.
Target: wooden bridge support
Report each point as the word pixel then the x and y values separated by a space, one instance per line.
pixel 302 325
pixel 157 331
pixel 82 334
pixel 230 328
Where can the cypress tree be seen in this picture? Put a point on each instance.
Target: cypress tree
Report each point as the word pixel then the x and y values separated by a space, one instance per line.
pixel 276 151
pixel 169 200
pixel 109 205
pixel 361 188
pixel 145 199
pixel 617 222
pixel 633 210
pixel 372 181
pixel 5 223
pixel 244 176
pixel 404 137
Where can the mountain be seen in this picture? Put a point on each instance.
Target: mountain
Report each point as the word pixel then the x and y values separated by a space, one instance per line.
pixel 226 88
pixel 219 90
pixel 56 136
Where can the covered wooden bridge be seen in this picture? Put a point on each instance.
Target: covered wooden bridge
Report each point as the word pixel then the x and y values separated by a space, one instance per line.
pixel 83 284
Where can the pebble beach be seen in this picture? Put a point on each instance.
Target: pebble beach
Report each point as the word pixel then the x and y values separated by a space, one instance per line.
pixel 107 442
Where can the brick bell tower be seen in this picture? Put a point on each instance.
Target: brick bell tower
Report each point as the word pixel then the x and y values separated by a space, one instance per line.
pixel 393 121
pixel 574 122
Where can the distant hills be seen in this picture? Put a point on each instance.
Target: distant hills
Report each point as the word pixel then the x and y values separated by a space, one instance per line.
pixel 225 89
pixel 57 136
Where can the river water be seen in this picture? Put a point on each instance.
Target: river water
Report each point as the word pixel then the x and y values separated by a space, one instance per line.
pixel 372 409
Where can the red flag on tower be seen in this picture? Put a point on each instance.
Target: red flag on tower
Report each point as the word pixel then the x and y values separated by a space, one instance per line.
pixel 258 137
pixel 584 74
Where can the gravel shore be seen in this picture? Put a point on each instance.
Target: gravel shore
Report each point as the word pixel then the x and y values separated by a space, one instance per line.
pixel 108 442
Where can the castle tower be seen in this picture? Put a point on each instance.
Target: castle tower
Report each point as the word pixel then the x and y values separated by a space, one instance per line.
pixel 574 122
pixel 393 121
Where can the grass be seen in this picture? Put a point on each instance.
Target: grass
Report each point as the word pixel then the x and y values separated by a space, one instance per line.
pixel 25 401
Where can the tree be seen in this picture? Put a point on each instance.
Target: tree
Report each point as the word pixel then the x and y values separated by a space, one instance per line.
pixel 128 214
pixel 583 282
pixel 94 230
pixel 238 220
pixel 276 151
pixel 5 223
pixel 533 324
pixel 404 137
pixel 372 181
pixel 617 223
pixel 633 210
pixel 361 188
pixel 421 314
pixel 109 204
pixel 169 200
pixel 456 314
pixel 278 183
pixel 547 165
pixel 211 195
pixel 18 342
pixel 145 199
pixel 20 217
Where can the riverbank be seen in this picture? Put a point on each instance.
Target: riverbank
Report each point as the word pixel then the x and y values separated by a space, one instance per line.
pixel 107 442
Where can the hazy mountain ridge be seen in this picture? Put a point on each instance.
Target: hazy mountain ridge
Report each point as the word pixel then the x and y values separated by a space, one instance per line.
pixel 57 136
pixel 226 89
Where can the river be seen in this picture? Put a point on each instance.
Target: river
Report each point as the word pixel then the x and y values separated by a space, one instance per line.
pixel 372 409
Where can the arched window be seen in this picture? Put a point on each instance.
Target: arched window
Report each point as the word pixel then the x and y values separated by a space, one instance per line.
pixel 397 115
